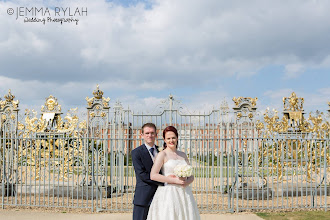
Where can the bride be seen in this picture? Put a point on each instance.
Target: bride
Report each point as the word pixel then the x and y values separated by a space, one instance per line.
pixel 172 201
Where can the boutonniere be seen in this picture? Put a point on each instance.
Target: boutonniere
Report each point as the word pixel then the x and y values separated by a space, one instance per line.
pixel 160 149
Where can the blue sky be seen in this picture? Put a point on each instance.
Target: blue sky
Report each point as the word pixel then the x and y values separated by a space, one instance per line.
pixel 201 51
pixel 129 3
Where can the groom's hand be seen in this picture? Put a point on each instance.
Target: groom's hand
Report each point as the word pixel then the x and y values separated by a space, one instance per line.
pixel 186 184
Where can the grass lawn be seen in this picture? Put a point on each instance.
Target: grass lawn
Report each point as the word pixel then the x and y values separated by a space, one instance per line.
pixel 300 215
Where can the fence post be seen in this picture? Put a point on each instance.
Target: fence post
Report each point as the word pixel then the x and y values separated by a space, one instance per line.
pixel 93 176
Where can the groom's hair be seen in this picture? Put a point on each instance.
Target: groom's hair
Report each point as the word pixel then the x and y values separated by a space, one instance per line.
pixel 150 125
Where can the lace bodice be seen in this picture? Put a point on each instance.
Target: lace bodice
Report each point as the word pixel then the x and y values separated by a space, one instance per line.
pixel 168 167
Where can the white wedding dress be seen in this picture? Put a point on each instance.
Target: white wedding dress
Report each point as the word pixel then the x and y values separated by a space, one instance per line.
pixel 173 202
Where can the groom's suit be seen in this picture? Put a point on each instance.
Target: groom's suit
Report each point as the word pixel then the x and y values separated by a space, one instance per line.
pixel 145 187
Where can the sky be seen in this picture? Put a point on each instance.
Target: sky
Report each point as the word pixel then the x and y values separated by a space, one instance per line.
pixel 139 52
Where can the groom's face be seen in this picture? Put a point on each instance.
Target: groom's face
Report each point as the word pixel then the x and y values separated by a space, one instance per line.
pixel 149 135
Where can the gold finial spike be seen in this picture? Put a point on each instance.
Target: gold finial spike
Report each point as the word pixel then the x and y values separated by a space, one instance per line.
pixel 98 93
pixel 9 97
pixel 237 100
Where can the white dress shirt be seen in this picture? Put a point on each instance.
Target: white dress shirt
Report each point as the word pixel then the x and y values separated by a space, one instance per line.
pixel 155 151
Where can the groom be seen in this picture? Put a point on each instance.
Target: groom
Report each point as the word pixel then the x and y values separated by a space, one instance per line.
pixel 143 157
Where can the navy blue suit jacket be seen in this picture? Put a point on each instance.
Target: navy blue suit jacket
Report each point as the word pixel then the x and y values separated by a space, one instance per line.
pixel 145 187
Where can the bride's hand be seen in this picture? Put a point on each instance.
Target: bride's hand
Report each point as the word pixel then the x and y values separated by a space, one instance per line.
pixel 180 181
pixel 176 180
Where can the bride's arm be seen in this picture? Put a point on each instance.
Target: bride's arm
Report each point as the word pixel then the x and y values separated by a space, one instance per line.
pixel 154 174
pixel 190 179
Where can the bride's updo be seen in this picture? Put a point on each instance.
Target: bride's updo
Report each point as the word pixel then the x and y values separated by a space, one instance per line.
pixel 167 129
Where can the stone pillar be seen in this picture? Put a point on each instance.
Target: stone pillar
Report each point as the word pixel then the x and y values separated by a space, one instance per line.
pixel 293 111
pixel 245 107
pixel 98 114
pixel 9 115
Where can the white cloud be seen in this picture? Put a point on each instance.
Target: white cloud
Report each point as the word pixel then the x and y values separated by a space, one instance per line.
pixel 325 91
pixel 172 38
pixel 206 100
pixel 174 44
pixel 278 94
pixel 294 70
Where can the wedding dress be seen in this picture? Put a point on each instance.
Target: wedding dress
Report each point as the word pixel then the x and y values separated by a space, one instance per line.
pixel 173 202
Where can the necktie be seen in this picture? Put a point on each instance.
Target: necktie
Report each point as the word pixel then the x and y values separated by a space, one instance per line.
pixel 152 151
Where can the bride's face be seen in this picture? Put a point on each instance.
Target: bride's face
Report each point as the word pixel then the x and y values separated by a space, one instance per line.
pixel 171 139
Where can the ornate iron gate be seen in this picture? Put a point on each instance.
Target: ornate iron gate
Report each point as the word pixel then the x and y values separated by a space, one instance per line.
pixel 242 159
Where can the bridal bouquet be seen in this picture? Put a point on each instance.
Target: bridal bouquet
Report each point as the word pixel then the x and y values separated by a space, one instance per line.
pixel 183 170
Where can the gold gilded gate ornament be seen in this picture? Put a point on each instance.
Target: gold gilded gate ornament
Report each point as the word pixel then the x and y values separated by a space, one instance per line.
pixel 51 105
pixel 53 152
pixel 293 103
pixel 9 99
pixel 71 123
pixel 98 95
pixel 32 123
pixel 293 150
pixel 239 100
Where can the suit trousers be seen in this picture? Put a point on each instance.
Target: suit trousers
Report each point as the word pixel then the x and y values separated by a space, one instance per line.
pixel 140 212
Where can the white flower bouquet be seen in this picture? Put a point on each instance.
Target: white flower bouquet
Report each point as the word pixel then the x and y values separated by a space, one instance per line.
pixel 183 170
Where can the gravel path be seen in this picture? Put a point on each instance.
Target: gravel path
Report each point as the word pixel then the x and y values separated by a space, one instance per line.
pixel 55 214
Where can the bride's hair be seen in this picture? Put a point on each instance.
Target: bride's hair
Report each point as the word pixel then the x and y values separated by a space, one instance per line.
pixel 167 129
